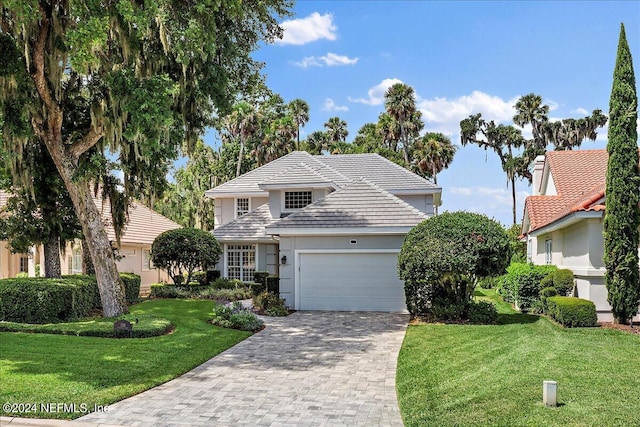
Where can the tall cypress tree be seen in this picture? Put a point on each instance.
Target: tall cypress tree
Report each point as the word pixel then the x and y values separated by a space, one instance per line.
pixel 622 218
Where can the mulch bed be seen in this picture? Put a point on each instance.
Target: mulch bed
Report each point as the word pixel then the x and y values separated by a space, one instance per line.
pixel 635 329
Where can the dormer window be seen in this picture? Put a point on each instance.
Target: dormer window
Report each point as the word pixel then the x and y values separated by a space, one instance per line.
pixel 296 199
pixel 242 207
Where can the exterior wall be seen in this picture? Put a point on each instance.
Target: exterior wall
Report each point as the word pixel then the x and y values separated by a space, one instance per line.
pixel 424 203
pixel 10 263
pixel 288 246
pixel 225 208
pixel 132 262
pixel 580 249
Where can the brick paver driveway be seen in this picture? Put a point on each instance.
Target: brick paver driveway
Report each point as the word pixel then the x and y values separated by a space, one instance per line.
pixel 307 369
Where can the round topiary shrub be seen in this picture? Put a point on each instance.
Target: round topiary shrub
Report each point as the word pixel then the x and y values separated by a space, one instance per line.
pixel 185 250
pixel 443 256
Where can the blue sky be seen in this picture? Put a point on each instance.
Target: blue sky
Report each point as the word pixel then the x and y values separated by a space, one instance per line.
pixel 461 58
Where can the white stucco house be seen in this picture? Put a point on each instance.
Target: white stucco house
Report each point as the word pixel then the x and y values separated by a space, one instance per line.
pixel 330 227
pixel 563 220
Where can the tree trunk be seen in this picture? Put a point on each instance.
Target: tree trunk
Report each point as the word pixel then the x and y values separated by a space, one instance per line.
pixel 87 263
pixel 513 197
pixel 405 145
pixel 52 267
pixel 240 158
pixel 110 285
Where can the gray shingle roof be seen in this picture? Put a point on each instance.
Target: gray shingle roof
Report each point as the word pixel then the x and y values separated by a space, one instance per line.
pixel 339 169
pixel 378 170
pixel 300 175
pixel 248 227
pixel 359 205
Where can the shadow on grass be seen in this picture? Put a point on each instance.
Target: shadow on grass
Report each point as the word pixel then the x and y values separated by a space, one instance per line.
pixel 516 318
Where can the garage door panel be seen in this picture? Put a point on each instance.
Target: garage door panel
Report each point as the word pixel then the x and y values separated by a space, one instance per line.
pixel 350 282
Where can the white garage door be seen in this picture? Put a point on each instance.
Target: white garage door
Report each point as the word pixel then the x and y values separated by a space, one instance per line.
pixel 350 282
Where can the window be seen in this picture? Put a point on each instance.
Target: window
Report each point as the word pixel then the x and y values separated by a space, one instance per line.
pixel 242 207
pixel 75 261
pixel 547 251
pixel 241 262
pixel 146 260
pixel 296 199
pixel 24 264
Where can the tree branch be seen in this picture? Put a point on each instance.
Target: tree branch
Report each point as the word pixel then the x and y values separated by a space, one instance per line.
pixel 83 145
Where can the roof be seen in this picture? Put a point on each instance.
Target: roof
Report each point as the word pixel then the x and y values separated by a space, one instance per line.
pixel 361 204
pixel 579 178
pixel 340 170
pixel 143 227
pixel 144 224
pixel 250 226
pixel 300 175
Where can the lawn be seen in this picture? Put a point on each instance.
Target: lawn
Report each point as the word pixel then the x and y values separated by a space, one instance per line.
pixel 41 368
pixel 464 375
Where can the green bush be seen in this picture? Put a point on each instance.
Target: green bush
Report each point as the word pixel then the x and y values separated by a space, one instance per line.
pixel 131 287
pixel 572 312
pixel 443 256
pixel 544 295
pixel 185 250
pixel 561 280
pixel 200 277
pixel 489 282
pixel 43 300
pixel 236 317
pixel 224 283
pixel 521 284
pixel 160 290
pixel 257 288
pixel 261 277
pixel 482 312
pixel 273 284
pixel 225 294
pixel 270 303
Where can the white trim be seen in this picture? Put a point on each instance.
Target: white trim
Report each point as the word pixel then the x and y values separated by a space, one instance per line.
pixel 225 252
pixel 565 222
pixel 296 266
pixel 224 195
pixel 283 193
pixel 302 231
pixel 235 206
pixel 408 192
pixel 308 185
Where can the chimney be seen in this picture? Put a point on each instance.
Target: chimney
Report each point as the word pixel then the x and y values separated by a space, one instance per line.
pixel 538 169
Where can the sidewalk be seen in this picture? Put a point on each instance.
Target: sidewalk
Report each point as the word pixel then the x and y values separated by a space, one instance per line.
pixel 33 422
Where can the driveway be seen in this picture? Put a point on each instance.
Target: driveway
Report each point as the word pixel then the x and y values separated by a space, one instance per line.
pixel 307 369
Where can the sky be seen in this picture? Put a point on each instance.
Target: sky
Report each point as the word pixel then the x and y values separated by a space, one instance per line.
pixel 461 58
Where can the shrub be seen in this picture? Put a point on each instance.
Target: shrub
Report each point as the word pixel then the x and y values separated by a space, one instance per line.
pixel 236 317
pixel 442 256
pixel 488 282
pixel 200 277
pixel 131 287
pixel 43 300
pixel 572 312
pixel 160 290
pixel 185 250
pixel 273 284
pixel 224 283
pixel 521 284
pixel 257 288
pixel 482 312
pixel 261 277
pixel 269 302
pixel 225 294
pixel 544 295
pixel 561 280
pixel 212 275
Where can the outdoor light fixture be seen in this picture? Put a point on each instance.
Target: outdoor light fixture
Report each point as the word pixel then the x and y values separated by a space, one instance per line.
pixel 283 260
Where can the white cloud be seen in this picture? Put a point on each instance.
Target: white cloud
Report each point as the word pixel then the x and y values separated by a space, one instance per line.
pixel 306 30
pixel 329 60
pixel 376 93
pixel 330 105
pixel 444 115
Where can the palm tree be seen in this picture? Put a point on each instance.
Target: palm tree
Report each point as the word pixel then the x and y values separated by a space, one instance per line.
pixel 278 141
pixel 434 153
pixel 529 109
pixel 299 112
pixel 336 129
pixel 400 104
pixel 388 131
pixel 317 142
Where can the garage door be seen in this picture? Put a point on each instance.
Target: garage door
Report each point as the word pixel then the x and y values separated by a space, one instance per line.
pixel 350 282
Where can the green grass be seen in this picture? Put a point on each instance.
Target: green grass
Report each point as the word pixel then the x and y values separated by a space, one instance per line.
pixel 143 326
pixel 41 368
pixel 466 375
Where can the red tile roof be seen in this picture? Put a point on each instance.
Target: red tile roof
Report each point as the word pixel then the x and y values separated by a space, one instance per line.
pixel 579 178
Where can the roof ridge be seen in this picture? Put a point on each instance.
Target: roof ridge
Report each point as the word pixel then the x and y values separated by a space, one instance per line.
pixel 391 196
pixel 332 169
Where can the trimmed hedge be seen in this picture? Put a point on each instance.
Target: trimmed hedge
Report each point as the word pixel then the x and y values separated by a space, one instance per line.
pixel 561 280
pixel 572 312
pixel 160 290
pixel 42 300
pixel 522 284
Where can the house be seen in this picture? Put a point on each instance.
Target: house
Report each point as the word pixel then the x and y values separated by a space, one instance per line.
pixel 135 243
pixel 563 220
pixel 330 227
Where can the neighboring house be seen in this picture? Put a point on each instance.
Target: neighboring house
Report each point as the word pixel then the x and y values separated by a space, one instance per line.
pixel 563 219
pixel 135 243
pixel 331 227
